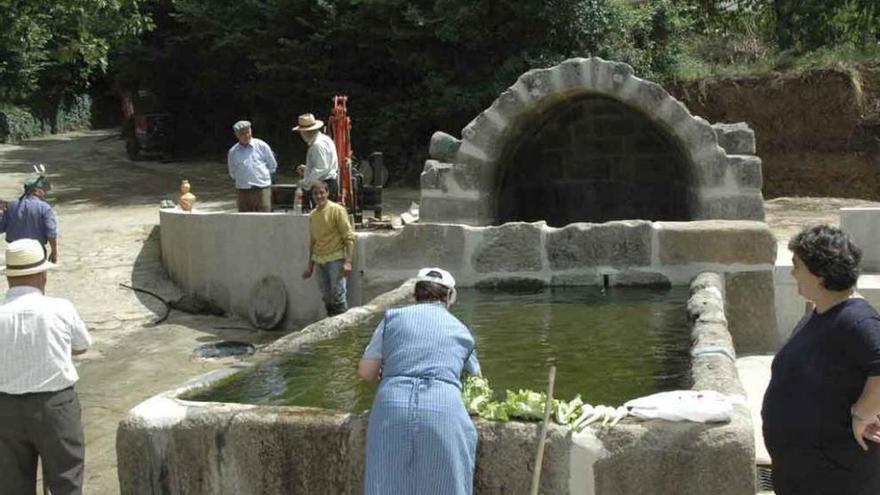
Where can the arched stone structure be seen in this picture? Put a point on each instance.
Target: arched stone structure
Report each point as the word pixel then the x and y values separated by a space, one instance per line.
pixel 470 180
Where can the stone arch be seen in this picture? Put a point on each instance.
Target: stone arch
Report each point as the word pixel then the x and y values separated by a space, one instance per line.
pixel 462 185
pixel 591 158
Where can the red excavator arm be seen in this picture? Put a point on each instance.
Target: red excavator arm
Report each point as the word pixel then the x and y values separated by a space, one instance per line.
pixel 340 131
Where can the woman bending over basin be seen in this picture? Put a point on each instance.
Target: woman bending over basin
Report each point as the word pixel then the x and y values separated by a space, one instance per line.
pixel 420 439
pixel 821 408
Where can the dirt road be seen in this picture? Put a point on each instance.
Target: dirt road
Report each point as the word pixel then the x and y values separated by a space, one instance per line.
pixel 107 208
pixel 108 215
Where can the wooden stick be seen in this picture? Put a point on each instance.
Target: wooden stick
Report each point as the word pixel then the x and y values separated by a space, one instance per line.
pixel 539 456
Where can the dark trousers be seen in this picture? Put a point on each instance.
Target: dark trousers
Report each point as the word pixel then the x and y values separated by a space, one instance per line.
pixel 332 193
pixel 45 425
pixel 843 469
pixel 255 199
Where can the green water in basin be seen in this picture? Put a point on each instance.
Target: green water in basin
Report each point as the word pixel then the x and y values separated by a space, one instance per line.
pixel 608 347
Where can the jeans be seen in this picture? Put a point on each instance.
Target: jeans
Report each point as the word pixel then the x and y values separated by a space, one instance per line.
pixel 332 285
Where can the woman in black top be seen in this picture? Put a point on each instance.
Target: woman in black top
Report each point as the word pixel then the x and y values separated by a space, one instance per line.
pixel 821 408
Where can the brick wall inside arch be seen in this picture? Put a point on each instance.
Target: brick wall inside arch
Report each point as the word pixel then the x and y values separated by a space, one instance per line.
pixel 593 159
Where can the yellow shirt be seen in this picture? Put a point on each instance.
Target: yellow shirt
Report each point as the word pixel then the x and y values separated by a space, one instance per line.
pixel 330 232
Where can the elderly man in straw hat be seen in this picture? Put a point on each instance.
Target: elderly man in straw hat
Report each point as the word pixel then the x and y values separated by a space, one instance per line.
pixel 40 414
pixel 251 164
pixel 31 217
pixel 322 162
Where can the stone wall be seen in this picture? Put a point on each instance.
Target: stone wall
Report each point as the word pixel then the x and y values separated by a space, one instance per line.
pixel 464 181
pixel 623 253
pixel 169 446
pixel 659 457
pixel 223 256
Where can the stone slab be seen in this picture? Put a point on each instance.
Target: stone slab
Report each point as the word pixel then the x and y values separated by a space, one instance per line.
pixel 639 278
pixel 736 139
pixel 751 311
pixel 416 246
pixel 863 224
pixel 456 210
pixel 746 170
pixel 443 147
pixel 715 241
pixel 723 204
pixel 663 457
pixel 514 247
pixel 623 243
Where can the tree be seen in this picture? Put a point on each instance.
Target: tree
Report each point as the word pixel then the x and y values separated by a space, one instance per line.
pixel 50 50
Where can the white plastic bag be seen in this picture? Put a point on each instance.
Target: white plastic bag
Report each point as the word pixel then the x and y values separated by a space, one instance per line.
pixel 701 406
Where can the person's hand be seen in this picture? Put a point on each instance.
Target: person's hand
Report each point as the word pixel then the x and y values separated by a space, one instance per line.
pixel 301 170
pixel 307 273
pixel 53 257
pixel 865 429
pixel 346 269
pixel 872 432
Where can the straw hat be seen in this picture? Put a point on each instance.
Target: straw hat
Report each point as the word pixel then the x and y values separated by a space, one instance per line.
pixel 308 122
pixel 26 257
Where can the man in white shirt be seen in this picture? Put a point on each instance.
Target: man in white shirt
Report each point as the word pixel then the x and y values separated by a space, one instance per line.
pixel 40 415
pixel 251 164
pixel 322 162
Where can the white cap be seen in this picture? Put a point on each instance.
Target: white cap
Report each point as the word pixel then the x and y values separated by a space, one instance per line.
pixel 437 276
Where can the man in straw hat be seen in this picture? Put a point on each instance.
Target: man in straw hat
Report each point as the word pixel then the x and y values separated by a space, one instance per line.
pixel 31 217
pixel 251 164
pixel 322 162
pixel 41 415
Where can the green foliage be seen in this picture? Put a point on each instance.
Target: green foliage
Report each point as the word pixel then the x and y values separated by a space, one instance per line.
pixel 18 123
pixel 50 50
pixel 806 25
pixel 409 67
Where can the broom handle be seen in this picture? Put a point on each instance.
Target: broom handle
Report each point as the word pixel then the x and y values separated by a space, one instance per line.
pixel 539 456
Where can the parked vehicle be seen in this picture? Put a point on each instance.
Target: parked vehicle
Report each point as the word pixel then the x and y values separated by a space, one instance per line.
pixel 146 129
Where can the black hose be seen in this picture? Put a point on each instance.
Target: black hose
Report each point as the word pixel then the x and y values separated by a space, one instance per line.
pixel 157 296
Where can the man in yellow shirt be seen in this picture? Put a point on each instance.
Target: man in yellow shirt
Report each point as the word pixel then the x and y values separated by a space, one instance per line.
pixel 331 245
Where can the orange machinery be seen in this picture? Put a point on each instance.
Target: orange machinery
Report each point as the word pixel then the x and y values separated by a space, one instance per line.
pixel 340 131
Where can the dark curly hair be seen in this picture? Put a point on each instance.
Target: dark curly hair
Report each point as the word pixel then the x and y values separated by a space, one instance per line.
pixel 830 253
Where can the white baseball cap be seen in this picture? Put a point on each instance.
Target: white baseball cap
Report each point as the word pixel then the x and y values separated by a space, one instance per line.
pixel 437 276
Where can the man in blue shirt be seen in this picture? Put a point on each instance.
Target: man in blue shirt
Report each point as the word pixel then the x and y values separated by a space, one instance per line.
pixel 251 164
pixel 31 217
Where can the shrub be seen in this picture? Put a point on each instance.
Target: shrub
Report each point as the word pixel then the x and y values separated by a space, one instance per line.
pixel 19 122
